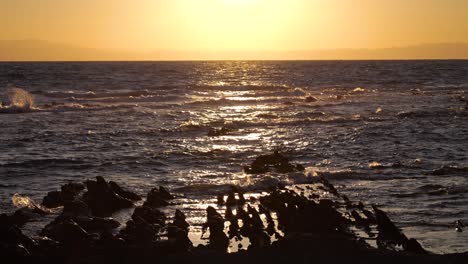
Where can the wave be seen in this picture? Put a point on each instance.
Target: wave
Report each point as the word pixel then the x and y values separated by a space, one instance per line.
pixel 449 170
pixel 46 163
pixel 94 95
pixel 426 113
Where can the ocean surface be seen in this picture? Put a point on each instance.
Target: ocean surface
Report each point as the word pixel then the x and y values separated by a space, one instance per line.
pixel 391 133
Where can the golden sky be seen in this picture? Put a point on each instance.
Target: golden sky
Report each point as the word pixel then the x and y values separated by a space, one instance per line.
pixel 235 25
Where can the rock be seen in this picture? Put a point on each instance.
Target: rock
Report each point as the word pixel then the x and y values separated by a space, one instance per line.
pixel 53 199
pixel 412 245
pixel 310 99
pixel 12 236
pixel 388 232
pixel 98 224
pixel 178 238
pixel 180 221
pixel 139 231
pixel 76 208
pixel 220 199
pixel 218 132
pixel 215 222
pixel 71 190
pixel 275 161
pixel 24 215
pixel 124 193
pixel 158 197
pixel 102 200
pixel 231 199
pixel 150 215
pixel 68 192
pixel 66 231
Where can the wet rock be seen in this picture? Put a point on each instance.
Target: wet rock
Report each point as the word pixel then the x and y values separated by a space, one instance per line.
pixel 231 199
pixel 218 132
pixel 220 199
pixel 123 192
pixel 98 224
pixel 310 99
pixel 68 192
pixel 276 162
pixel 24 215
pixel 11 236
pixel 180 221
pixel 388 233
pixel 139 231
pixel 150 215
pixel 178 238
pixel 53 199
pixel 215 223
pixel 177 232
pixel 75 208
pixel 158 197
pixel 102 200
pixel 66 231
pixel 412 245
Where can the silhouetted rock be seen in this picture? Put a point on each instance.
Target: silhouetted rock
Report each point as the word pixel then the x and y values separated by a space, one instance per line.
pixel 66 231
pixel 150 215
pixel 12 237
pixel 123 192
pixel 158 197
pixel 68 192
pixel 24 215
pixel 180 222
pixel 102 200
pixel 53 199
pixel 215 223
pixel 139 231
pixel 275 161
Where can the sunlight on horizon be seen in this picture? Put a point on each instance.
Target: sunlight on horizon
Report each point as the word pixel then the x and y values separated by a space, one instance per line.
pixel 235 25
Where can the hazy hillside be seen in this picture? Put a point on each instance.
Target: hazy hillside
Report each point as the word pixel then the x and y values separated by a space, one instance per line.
pixel 38 50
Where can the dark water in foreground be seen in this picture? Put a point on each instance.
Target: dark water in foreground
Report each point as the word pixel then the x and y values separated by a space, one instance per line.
pixel 390 133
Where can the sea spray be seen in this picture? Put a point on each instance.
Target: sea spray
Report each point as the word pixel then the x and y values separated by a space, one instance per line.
pixel 17 100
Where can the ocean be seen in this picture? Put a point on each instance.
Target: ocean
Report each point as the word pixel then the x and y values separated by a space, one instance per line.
pixel 390 133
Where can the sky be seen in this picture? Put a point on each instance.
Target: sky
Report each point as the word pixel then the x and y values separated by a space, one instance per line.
pixel 235 25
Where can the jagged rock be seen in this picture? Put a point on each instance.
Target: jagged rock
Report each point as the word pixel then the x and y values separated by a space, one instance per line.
pixel 180 221
pixel 276 161
pixel 102 200
pixel 11 235
pixel 124 193
pixel 150 215
pixel 53 199
pixel 139 231
pixel 69 192
pixel 97 224
pixel 66 231
pixel 220 199
pixel 24 215
pixel 215 223
pixel 158 197
pixel 231 199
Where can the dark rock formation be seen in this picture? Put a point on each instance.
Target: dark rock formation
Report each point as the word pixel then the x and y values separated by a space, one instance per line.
pixel 215 223
pixel 102 200
pixel 272 162
pixel 158 197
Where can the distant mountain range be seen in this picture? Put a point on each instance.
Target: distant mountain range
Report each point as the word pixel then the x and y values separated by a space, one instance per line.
pixel 39 50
